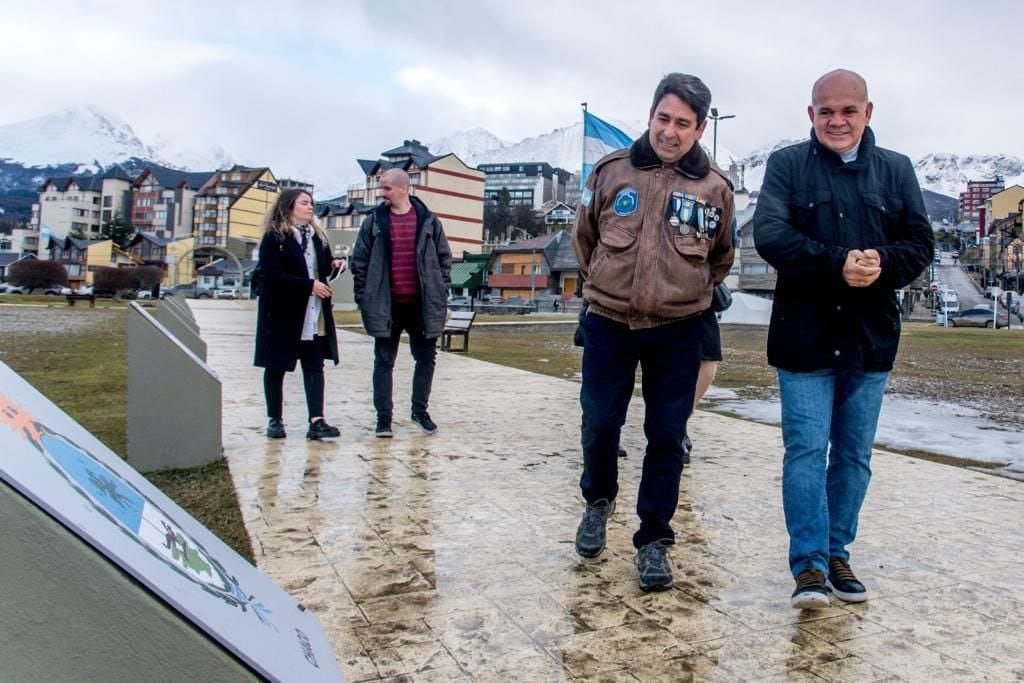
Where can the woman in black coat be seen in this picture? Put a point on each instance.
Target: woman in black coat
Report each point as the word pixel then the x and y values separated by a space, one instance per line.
pixel 295 322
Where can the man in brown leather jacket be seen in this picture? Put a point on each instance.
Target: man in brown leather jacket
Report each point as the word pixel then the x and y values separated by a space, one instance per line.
pixel 652 239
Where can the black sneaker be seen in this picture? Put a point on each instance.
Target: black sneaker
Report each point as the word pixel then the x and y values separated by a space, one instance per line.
pixel 275 428
pixel 321 430
pixel 384 428
pixel 810 592
pixel 844 584
pixel 687 447
pixel 654 566
pixel 622 452
pixel 425 423
pixel 591 534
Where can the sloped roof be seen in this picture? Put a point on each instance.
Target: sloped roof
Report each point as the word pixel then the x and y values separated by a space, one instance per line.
pixel 548 245
pixel 86 183
pixel 115 172
pixel 140 236
pixel 173 179
pixel 552 204
pixel 226 266
pixel 565 255
pixel 468 274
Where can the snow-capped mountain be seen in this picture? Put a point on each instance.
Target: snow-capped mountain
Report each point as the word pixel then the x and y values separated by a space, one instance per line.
pixel 562 147
pixel 199 155
pixel 754 163
pixel 945 174
pixel 83 135
pixel 469 145
pixel 94 140
pixel 948 173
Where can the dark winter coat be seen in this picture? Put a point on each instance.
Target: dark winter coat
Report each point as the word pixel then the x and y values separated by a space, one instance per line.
pixel 283 300
pixel 811 211
pixel 371 270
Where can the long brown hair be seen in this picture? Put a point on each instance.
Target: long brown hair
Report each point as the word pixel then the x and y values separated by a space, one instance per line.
pixel 279 218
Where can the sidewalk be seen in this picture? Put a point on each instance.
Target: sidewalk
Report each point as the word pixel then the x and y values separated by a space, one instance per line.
pixel 450 557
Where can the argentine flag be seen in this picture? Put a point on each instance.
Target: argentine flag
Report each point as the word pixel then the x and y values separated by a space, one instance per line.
pixel 599 138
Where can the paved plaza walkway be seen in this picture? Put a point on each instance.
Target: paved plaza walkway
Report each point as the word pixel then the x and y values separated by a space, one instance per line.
pixel 450 557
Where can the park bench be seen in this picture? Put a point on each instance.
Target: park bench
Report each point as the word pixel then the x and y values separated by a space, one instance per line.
pixel 458 324
pixel 72 298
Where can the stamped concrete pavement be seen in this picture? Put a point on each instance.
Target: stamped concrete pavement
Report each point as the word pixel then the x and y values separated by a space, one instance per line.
pixel 450 557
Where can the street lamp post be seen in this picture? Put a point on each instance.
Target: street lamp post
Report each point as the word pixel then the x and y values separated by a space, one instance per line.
pixel 714 116
pixel 1016 262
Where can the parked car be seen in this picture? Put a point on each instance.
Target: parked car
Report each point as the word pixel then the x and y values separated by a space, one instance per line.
pixel 226 293
pixel 515 301
pixel 459 301
pixel 56 291
pixel 84 289
pixel 7 288
pixel 494 299
pixel 190 291
pixel 979 316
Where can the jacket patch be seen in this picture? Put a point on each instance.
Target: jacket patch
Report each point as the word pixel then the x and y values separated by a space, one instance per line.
pixel 626 202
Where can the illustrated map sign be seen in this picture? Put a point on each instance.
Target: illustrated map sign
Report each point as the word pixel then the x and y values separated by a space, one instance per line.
pixel 69 473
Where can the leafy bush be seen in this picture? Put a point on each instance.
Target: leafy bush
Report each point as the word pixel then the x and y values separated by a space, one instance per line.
pixel 36 274
pixel 109 279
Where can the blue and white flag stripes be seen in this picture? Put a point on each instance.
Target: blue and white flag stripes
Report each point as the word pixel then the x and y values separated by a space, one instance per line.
pixel 599 139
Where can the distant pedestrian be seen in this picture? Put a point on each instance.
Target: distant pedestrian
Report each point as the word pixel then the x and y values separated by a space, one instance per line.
pixel 651 239
pixel 295 322
pixel 401 271
pixel 844 224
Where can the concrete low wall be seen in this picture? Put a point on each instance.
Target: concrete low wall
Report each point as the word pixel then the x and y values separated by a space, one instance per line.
pixel 69 614
pixel 174 399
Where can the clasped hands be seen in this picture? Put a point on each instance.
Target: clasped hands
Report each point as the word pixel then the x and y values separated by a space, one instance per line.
pixel 862 268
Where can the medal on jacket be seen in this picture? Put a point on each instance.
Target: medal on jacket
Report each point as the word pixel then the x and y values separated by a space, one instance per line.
pixel 708 219
pixel 681 211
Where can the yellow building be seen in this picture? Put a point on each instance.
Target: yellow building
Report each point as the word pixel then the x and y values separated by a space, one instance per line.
pixel 81 258
pixel 1002 204
pixel 453 191
pixel 232 204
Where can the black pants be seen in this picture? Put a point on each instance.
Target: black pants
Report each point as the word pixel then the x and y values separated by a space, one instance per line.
pixel 311 356
pixel 669 357
pixel 407 317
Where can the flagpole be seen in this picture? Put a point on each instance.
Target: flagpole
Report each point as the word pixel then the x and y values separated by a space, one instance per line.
pixel 583 151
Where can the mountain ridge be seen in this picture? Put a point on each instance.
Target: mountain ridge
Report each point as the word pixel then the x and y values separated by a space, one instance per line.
pixel 88 140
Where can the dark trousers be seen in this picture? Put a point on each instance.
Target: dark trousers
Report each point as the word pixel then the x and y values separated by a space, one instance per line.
pixel 669 358
pixel 311 357
pixel 408 318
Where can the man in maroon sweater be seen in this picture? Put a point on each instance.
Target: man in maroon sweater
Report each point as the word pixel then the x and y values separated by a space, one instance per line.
pixel 401 270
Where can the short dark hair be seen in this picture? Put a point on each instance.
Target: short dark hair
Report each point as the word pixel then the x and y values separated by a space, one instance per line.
pixel 689 89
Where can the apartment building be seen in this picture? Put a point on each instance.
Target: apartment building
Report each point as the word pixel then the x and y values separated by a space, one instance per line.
pixel 230 208
pixel 528 183
pixel 163 200
pixel 78 205
pixel 972 202
pixel 453 191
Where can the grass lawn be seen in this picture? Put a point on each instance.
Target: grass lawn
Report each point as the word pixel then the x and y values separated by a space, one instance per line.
pixel 78 362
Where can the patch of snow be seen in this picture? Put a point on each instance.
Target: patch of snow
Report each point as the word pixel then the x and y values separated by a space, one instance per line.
pixel 911 424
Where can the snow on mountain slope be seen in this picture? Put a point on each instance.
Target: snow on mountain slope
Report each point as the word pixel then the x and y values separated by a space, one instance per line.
pixel 82 135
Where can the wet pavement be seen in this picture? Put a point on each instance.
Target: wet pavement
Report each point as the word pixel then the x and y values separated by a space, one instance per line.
pixel 450 557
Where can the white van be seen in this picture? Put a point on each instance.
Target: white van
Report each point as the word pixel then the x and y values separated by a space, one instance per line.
pixel 949 302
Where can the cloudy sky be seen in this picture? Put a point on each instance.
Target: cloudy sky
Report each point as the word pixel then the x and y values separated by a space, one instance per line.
pixel 310 86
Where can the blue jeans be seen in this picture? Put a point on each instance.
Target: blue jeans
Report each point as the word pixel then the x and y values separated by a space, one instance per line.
pixel 407 317
pixel 669 357
pixel 829 418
